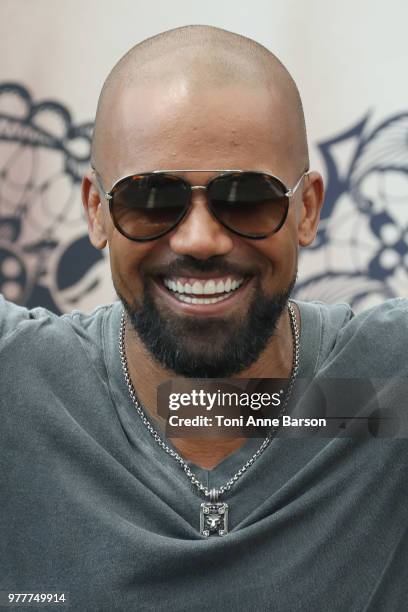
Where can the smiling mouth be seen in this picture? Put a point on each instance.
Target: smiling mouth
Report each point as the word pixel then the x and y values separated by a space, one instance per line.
pixel 202 291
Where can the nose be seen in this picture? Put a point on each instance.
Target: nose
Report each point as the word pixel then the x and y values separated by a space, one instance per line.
pixel 199 234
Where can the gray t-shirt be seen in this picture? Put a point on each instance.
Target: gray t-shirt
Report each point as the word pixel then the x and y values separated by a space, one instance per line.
pixel 93 508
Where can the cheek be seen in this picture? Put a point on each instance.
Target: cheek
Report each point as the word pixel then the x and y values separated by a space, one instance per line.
pixel 281 255
pixel 126 258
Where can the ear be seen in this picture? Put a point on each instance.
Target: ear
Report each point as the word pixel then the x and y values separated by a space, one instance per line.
pixel 312 201
pixel 94 212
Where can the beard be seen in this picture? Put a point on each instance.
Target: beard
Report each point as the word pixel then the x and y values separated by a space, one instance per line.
pixel 207 348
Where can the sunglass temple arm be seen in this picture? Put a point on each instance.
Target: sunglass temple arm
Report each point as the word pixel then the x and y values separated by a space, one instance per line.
pixel 106 195
pixel 291 192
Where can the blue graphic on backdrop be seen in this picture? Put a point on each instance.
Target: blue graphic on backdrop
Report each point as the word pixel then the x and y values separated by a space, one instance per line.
pixel 360 255
pixel 45 255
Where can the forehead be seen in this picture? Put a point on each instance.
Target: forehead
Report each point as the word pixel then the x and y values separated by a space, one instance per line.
pixel 178 126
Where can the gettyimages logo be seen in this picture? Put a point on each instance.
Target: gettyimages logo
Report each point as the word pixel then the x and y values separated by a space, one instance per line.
pixel 255 408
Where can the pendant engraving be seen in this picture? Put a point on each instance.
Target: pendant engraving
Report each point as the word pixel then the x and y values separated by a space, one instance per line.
pixel 213 519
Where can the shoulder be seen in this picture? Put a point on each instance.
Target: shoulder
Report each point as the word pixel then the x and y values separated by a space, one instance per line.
pixel 330 318
pixel 338 342
pixel 17 322
pixel 385 323
pixel 320 327
pixel 374 341
pixel 41 350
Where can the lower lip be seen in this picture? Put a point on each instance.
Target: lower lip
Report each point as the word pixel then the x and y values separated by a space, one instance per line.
pixel 218 308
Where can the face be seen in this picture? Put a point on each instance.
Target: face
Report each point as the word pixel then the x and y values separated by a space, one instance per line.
pixel 204 300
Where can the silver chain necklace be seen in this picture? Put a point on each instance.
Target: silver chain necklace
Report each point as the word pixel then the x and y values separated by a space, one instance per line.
pixel 213 514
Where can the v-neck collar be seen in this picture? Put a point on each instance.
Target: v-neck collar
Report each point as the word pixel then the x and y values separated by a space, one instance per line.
pixel 136 431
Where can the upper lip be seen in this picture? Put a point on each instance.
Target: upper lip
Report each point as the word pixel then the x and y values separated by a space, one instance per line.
pixel 203 275
pixel 204 278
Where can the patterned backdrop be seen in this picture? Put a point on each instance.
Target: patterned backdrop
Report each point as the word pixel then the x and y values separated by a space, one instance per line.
pixel 46 257
pixel 361 252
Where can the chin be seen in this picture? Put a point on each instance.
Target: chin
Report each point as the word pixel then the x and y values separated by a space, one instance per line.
pixel 207 348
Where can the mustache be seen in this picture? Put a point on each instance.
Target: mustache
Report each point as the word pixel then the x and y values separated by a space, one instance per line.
pixel 187 265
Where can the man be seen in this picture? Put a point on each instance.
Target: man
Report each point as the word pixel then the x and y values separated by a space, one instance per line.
pixel 193 128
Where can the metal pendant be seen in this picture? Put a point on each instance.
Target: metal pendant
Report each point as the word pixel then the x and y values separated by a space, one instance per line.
pixel 213 516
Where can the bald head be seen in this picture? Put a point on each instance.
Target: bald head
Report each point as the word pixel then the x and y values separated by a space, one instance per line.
pixel 201 60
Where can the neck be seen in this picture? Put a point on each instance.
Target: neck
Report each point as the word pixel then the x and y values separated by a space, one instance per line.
pixel 146 374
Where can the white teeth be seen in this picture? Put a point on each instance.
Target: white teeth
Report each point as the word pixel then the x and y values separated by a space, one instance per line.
pixel 197 288
pixel 209 287
pixel 190 300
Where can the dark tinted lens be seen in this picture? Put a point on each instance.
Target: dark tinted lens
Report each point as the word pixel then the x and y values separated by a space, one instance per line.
pixel 145 206
pixel 251 203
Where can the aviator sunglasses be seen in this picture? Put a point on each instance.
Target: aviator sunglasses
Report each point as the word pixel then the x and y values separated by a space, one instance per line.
pixel 148 205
